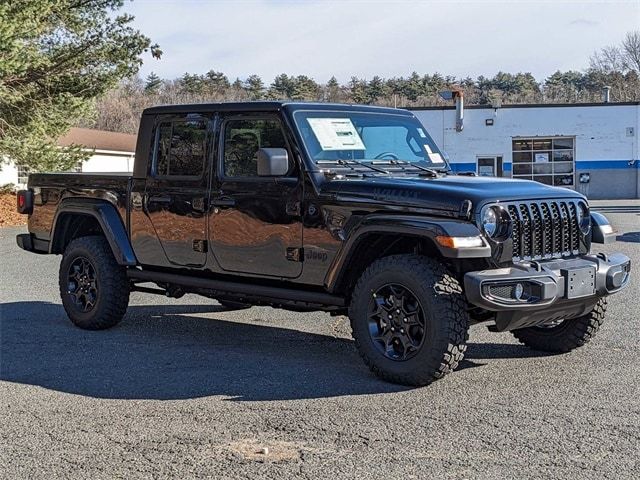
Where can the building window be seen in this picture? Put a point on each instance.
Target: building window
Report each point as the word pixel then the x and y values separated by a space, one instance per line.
pixel 546 160
pixel 23 174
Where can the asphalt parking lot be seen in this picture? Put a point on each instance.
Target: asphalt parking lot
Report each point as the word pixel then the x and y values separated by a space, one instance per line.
pixel 183 388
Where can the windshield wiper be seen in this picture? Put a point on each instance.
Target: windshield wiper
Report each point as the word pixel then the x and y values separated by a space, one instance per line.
pixel 430 171
pixel 350 162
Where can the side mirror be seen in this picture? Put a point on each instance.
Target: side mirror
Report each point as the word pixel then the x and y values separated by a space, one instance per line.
pixel 273 162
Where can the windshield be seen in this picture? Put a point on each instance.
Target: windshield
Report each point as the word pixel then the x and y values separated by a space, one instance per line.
pixel 367 137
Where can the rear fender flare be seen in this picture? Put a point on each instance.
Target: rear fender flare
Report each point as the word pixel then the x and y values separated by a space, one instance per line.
pixel 109 220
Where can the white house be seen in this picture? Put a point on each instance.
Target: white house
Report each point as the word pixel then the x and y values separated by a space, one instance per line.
pixel 592 148
pixel 111 152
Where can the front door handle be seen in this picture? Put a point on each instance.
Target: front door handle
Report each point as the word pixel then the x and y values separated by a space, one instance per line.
pixel 223 202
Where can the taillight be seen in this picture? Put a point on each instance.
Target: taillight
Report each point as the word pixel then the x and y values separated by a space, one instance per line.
pixel 25 201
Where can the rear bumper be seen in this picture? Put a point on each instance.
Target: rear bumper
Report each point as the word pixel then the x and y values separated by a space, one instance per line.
pixel 530 293
pixel 28 242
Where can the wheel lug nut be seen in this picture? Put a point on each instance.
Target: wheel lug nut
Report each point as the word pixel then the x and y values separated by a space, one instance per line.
pixel 393 329
pixel 390 317
pixel 402 330
pixel 404 320
pixel 397 311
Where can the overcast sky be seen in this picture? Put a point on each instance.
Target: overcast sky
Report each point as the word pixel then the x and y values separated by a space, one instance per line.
pixel 320 38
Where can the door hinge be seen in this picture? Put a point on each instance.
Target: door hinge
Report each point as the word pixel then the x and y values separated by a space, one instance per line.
pixel 292 208
pixel 198 204
pixel 295 254
pixel 200 246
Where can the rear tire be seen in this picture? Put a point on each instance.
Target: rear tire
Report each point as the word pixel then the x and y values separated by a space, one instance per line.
pixel 409 320
pixel 94 289
pixel 568 335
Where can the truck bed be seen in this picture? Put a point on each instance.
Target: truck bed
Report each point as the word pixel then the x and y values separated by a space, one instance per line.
pixel 52 188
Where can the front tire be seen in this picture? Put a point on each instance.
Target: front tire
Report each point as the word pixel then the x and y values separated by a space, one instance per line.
pixel 409 320
pixel 565 336
pixel 94 289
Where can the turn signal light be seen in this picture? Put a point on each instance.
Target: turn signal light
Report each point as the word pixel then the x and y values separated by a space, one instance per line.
pixel 459 242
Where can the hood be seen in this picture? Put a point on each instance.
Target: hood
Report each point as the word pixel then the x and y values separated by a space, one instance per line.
pixel 444 193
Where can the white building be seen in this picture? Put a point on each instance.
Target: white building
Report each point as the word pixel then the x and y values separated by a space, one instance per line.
pixel 111 152
pixel 592 148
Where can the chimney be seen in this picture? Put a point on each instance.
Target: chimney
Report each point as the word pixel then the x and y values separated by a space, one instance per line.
pixel 606 94
pixel 459 97
pixel 456 94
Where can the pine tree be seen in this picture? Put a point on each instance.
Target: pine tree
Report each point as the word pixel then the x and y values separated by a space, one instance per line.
pixel 282 87
pixel 152 83
pixel 254 87
pixel 305 88
pixel 376 90
pixel 56 57
pixel 358 90
pixel 217 81
pixel 332 89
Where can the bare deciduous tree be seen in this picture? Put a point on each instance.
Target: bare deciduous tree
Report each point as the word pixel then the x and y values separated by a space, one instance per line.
pixel 619 58
pixel 631 51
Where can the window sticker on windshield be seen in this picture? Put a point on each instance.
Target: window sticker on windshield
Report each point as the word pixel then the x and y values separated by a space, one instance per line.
pixel 421 133
pixel 436 158
pixel 428 149
pixel 336 134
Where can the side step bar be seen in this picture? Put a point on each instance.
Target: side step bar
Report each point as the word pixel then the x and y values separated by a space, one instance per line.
pixel 247 290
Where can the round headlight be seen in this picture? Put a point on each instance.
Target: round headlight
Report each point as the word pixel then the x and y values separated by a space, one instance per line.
pixel 490 221
pixel 584 219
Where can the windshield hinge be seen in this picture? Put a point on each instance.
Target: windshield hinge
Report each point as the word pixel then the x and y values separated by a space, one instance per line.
pixel 465 209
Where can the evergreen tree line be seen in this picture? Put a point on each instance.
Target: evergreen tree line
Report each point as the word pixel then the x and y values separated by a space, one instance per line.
pixel 617 67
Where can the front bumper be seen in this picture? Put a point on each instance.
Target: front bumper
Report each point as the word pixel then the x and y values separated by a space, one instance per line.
pixel 530 293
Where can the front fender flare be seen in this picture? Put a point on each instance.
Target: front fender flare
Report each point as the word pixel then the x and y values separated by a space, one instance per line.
pixel 402 225
pixel 109 220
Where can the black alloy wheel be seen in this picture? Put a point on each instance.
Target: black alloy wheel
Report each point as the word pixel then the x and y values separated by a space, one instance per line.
pixel 82 285
pixel 94 289
pixel 397 324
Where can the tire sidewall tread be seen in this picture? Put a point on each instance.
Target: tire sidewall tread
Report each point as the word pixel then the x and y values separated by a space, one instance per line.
pixel 444 307
pixel 569 335
pixel 113 285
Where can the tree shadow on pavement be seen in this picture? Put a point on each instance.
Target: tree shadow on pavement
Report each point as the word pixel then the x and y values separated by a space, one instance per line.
pixel 169 352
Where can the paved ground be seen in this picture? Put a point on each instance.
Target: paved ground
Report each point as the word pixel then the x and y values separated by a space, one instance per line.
pixel 185 389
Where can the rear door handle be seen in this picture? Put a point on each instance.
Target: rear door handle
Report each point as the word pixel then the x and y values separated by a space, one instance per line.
pixel 223 202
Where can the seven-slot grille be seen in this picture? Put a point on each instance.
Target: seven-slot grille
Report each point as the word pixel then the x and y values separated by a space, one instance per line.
pixel 544 229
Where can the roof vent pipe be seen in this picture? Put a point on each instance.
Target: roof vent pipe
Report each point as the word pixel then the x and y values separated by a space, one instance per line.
pixel 606 94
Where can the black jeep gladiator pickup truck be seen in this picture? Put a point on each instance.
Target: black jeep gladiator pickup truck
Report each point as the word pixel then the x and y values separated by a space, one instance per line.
pixel 348 209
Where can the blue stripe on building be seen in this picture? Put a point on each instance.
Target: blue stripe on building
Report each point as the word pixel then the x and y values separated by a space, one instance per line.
pixel 606 164
pixel 580 165
pixel 463 166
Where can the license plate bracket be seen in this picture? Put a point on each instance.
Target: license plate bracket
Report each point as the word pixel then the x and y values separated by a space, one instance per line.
pixel 579 281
